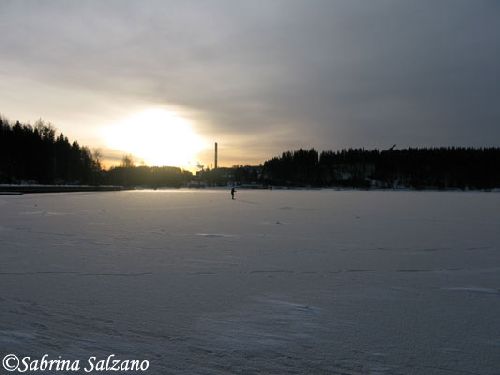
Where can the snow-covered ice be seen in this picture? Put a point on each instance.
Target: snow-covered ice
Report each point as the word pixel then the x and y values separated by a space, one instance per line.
pixel 274 282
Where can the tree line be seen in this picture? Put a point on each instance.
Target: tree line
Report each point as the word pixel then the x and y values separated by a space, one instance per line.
pixel 129 175
pixel 417 168
pixel 37 154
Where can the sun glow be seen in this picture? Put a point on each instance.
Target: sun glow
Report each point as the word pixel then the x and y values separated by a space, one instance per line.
pixel 156 137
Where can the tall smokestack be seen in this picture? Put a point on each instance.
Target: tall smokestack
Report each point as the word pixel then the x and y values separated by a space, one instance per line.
pixel 215 156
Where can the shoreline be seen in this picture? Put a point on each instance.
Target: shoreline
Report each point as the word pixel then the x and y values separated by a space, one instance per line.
pixel 36 189
pixel 41 189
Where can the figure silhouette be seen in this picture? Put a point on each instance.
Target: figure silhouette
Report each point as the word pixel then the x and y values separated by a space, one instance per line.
pixel 233 190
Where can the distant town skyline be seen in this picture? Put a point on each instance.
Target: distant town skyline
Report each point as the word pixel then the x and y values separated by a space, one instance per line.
pixel 164 80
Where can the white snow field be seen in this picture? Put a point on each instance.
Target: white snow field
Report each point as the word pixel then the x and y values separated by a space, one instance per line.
pixel 274 282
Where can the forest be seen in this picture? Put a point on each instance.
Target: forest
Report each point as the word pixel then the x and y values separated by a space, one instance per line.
pixel 417 168
pixel 38 155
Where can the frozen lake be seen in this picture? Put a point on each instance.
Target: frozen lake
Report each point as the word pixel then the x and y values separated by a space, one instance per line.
pixel 275 282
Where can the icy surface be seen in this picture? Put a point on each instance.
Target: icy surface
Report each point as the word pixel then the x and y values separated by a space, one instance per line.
pixel 274 282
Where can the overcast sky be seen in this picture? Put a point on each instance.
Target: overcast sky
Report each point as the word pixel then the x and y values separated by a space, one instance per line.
pixel 260 77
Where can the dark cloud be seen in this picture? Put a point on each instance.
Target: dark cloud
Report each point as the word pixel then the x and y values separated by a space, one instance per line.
pixel 278 74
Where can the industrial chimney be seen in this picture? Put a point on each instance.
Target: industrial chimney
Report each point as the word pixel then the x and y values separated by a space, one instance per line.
pixel 215 156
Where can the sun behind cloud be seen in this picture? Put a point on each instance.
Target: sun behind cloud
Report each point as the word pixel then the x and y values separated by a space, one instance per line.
pixel 156 136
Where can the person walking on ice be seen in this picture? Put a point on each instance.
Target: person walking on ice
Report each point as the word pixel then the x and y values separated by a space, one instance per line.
pixel 233 190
